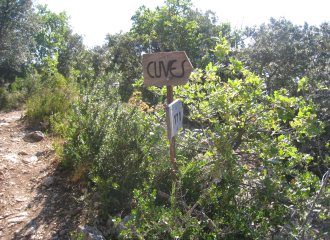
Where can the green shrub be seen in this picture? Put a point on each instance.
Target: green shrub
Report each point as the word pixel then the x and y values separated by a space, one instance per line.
pixel 116 145
pixel 9 99
pixel 15 95
pixel 244 178
pixel 54 95
pixel 249 177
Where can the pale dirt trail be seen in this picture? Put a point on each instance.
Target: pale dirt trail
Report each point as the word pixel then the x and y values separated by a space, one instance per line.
pixel 29 208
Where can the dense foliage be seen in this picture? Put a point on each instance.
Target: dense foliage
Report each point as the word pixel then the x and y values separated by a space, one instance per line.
pixel 16 35
pixel 253 159
pixel 253 173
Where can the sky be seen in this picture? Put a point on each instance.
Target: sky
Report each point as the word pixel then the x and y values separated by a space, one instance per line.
pixel 94 19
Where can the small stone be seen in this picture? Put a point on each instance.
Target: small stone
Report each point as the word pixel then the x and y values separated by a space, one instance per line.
pixel 62 232
pixel 11 158
pixel 90 233
pixel 37 135
pixel 32 159
pixel 21 199
pixel 31 231
pixel 22 153
pixel 33 179
pixel 16 219
pixel 121 227
pixel 48 181
pixel 22 214
pixel 10 225
pixel 75 212
pixel 7 214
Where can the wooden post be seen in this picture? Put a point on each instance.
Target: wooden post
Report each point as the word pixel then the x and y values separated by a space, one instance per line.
pixel 168 69
pixel 172 139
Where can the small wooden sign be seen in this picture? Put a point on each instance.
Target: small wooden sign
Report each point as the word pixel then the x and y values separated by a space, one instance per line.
pixel 174 114
pixel 166 69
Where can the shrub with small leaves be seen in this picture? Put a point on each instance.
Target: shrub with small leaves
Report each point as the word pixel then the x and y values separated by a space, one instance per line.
pixel 116 145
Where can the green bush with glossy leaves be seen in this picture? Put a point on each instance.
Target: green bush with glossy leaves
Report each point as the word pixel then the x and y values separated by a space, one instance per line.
pixel 253 180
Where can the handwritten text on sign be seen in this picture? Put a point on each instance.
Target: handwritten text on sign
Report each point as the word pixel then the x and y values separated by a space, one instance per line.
pixel 169 69
pixel 174 117
pixel 166 69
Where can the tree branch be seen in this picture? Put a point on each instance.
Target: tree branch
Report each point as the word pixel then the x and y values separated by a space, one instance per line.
pixel 324 181
pixel 192 210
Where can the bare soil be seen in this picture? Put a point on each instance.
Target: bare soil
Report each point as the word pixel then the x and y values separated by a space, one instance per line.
pixel 29 208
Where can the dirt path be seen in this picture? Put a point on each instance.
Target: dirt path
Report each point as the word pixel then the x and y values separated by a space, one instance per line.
pixel 36 198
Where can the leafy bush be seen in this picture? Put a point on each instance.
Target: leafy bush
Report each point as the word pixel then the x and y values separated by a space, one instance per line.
pixel 243 175
pixel 252 180
pixel 10 99
pixel 15 95
pixel 53 95
pixel 116 145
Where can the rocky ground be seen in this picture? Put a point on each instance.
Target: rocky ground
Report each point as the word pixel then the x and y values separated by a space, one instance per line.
pixel 37 199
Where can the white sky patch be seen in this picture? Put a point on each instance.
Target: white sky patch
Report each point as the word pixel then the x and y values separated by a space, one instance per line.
pixel 94 19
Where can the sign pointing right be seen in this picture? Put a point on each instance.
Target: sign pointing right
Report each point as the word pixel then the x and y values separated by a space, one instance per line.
pixel 166 69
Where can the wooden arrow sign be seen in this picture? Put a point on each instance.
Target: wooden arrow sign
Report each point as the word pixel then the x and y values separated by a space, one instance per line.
pixel 166 69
